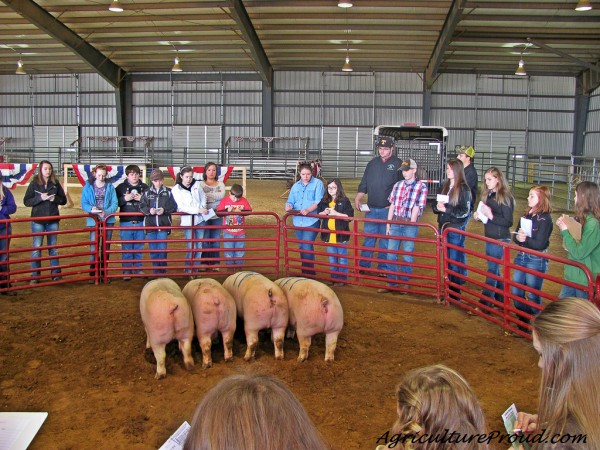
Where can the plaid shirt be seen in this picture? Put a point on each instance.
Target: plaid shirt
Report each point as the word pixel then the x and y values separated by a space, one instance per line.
pixel 405 196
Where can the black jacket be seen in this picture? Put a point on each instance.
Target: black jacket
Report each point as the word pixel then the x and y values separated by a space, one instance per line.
pixel 131 206
pixel 161 199
pixel 455 216
pixel 499 226
pixel 342 206
pixel 540 234
pixel 43 208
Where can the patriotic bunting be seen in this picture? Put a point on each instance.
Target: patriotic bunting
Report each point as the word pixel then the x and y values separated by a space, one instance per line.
pixel 223 172
pixel 16 174
pixel 115 174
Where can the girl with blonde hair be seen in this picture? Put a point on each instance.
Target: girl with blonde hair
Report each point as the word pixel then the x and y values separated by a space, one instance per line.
pixel 252 412
pixel 587 250
pixel 432 400
pixel 567 337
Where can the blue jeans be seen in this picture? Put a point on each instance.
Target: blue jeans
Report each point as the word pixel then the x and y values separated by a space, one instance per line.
pixel 214 233
pixel 5 233
pixel 196 245
pixel 157 254
pixel 338 255
pixel 132 250
pixel 38 242
pixel 408 246
pixel 568 291
pixel 374 228
pixel 308 235
pixel 457 255
pixel 494 251
pixel 530 280
pixel 234 250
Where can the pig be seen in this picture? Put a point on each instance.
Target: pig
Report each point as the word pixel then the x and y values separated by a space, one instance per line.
pixel 214 309
pixel 314 308
pixel 262 304
pixel 167 315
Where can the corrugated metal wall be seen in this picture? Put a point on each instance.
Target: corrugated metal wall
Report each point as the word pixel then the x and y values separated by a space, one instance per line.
pixel 305 103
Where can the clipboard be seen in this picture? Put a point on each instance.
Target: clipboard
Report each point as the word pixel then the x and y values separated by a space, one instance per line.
pixel 573 227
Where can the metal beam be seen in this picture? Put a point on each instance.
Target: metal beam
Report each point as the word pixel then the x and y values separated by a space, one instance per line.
pixel 124 106
pixel 454 15
pixel 565 55
pixel 582 106
pixel 259 56
pixel 50 25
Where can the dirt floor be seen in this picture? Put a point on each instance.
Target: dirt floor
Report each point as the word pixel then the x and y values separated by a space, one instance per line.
pixel 77 352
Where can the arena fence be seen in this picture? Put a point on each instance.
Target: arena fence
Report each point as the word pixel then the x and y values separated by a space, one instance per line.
pixel 97 254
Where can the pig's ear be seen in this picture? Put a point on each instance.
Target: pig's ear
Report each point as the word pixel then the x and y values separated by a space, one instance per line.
pixel 270 292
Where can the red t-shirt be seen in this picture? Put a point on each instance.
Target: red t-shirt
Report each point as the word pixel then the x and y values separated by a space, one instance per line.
pixel 234 220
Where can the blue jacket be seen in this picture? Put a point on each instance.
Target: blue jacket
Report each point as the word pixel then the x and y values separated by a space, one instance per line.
pixel 302 196
pixel 7 207
pixel 88 201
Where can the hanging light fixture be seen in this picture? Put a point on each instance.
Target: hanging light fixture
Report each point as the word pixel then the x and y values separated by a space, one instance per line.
pixel 521 68
pixel 583 5
pixel 347 67
pixel 115 6
pixel 20 69
pixel 344 4
pixel 176 67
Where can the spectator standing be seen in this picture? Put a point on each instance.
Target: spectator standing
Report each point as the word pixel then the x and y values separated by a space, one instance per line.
pixel 336 206
pixel 380 176
pixel 305 195
pixel 538 212
pixel 7 207
pixel 234 202
pixel 566 334
pixel 466 155
pixel 129 194
pixel 454 214
pixel 214 190
pixel 190 200
pixel 100 199
pixel 44 194
pixel 407 201
pixel 587 250
pixel 497 216
pixel 157 204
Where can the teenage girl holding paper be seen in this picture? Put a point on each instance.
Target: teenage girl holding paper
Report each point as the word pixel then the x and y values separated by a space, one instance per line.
pixel 587 250
pixel 498 206
pixel 538 215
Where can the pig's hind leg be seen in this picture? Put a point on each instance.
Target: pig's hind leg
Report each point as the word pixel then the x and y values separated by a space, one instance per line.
pixel 185 346
pixel 228 346
pixel 278 335
pixel 304 342
pixel 330 345
pixel 205 346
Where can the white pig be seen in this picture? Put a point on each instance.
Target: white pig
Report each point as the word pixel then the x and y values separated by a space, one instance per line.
pixel 167 315
pixel 314 308
pixel 262 305
pixel 214 309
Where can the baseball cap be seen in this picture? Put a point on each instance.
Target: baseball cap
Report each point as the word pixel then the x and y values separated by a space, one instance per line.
pixel 157 175
pixel 408 164
pixel 463 149
pixel 385 141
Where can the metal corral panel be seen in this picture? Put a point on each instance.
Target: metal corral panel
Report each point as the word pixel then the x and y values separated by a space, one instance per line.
pixel 453 101
pixel 455 83
pixel 92 82
pixel 150 115
pixel 243 115
pixel 406 82
pixel 335 81
pixel 452 118
pixel 551 121
pixel 556 144
pixel 346 151
pixel 505 85
pixel 552 86
pixel 505 119
pixel 297 80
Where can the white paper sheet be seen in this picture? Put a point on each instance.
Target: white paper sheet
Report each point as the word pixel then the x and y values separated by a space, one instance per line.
pixel 209 215
pixel 442 198
pixel 480 208
pixel 365 208
pixel 526 226
pixel 177 439
pixel 17 429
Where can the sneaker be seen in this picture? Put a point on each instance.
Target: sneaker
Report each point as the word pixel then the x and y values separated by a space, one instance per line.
pixel 56 278
pixel 127 278
pixel 340 284
pixel 383 291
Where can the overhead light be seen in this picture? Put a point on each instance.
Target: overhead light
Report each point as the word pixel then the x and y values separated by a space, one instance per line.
pixel 115 6
pixel 20 69
pixel 343 4
pixel 583 5
pixel 176 67
pixel 521 69
pixel 347 67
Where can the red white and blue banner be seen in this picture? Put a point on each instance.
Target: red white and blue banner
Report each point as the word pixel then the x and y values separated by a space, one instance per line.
pixel 223 172
pixel 115 175
pixel 16 174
